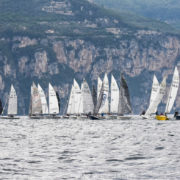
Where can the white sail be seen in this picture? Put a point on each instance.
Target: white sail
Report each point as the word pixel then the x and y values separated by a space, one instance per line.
pixel 70 109
pixel 43 100
pixel 53 101
pixel 80 109
pixel 86 104
pixel 12 104
pixel 105 101
pixel 114 95
pixel 99 85
pixel 99 101
pixel 173 91
pixel 77 97
pixel 153 106
pixel 154 90
pixel 36 106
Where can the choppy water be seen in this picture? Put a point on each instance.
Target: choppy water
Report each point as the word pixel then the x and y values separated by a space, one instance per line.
pixel 85 149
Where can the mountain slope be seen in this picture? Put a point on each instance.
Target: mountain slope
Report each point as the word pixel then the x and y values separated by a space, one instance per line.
pixel 163 10
pixel 54 41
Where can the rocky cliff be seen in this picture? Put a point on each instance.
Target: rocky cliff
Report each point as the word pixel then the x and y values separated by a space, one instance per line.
pixel 65 39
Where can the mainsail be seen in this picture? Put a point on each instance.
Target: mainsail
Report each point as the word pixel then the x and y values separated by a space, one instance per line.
pixel 99 101
pixel 43 100
pixel 58 98
pixel 35 106
pixel 77 98
pixel 94 96
pixel 114 96
pixel 99 85
pixel 154 91
pixel 105 101
pixel 86 99
pixel 153 106
pixel 53 101
pixel 70 108
pixel 124 106
pixel 173 91
pixel 12 104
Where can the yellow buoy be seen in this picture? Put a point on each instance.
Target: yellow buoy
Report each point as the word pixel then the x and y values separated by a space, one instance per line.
pixel 161 117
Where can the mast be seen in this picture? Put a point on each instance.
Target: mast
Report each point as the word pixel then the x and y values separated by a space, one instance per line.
pixel 114 96
pixel 173 91
pixel 12 104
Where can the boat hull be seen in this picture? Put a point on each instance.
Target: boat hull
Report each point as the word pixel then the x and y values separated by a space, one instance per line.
pixel 161 117
pixel 44 117
pixel 92 117
pixel 123 117
pixel 9 117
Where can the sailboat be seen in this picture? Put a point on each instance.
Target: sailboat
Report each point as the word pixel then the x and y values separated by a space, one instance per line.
pixel 54 103
pixel 120 100
pixel 74 105
pixel 12 105
pixel 171 96
pixel 86 105
pixel 124 106
pixel 35 108
pixel 95 115
pixel 157 100
pixel 97 99
pixel 154 91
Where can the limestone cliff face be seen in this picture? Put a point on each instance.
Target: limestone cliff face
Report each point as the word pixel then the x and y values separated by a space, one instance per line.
pixel 150 53
pixel 40 63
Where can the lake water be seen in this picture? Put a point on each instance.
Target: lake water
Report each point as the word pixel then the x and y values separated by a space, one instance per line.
pixel 85 149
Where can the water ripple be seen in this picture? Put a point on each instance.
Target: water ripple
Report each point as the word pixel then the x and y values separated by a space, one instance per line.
pixel 84 149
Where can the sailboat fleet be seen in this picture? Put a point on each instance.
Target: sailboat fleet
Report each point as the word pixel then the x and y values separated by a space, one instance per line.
pixel 157 93
pixel 97 106
pixel 110 101
pixel 38 105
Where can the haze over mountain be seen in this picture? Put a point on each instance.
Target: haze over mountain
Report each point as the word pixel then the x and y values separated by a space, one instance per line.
pixel 54 41
pixel 163 10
